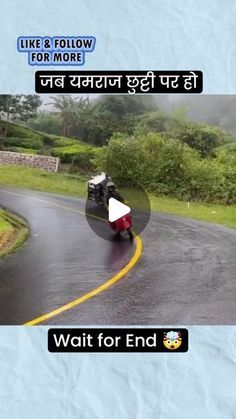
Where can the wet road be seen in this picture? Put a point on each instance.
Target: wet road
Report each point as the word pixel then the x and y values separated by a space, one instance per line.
pixel 186 275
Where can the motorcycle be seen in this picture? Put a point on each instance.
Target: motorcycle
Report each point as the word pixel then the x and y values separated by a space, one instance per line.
pixel 100 190
pixel 123 225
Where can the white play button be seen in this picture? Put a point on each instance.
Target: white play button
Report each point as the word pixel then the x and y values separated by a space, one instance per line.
pixel 117 210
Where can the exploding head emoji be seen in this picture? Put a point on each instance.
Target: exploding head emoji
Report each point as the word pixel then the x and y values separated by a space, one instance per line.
pixel 172 340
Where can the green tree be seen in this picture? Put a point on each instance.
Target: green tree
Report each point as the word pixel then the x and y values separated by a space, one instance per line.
pixel 67 107
pixel 8 107
pixel 118 113
pixel 49 122
pixel 202 138
pixel 27 107
pixel 120 105
pixel 95 121
pixel 18 107
pixel 152 122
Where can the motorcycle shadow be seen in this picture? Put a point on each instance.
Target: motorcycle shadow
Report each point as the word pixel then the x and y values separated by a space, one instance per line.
pixel 119 252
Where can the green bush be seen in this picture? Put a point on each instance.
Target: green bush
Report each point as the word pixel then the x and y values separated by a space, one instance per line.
pixel 83 161
pixel 67 154
pixel 152 122
pixel 202 138
pixel 168 167
pixel 21 150
pixel 33 142
pixel 228 148
pixel 63 141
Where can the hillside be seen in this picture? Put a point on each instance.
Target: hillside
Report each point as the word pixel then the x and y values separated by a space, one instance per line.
pixel 72 152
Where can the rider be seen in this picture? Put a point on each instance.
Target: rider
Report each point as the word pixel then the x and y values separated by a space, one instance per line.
pixel 111 192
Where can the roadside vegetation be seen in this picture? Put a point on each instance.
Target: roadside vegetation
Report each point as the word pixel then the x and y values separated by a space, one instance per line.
pixel 75 185
pixel 40 180
pixel 74 155
pixel 187 167
pixel 13 232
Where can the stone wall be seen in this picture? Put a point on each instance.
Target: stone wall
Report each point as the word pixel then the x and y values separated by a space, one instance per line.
pixel 42 162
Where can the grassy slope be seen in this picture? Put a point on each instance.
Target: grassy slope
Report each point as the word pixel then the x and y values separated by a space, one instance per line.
pixel 5 226
pixel 25 140
pixel 212 213
pixel 76 186
pixel 13 232
pixel 40 180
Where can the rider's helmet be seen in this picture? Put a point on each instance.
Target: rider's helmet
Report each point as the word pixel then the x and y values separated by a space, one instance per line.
pixel 110 186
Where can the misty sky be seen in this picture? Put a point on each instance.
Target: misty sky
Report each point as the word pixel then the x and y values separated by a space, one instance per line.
pixel 213 109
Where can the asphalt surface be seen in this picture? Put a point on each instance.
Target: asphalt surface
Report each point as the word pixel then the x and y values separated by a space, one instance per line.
pixel 186 274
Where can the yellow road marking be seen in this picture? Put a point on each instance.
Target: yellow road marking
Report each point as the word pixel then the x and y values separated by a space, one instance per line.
pixel 95 291
pixel 103 287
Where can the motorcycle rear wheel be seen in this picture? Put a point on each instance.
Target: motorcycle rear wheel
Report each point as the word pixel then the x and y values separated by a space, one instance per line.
pixel 130 233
